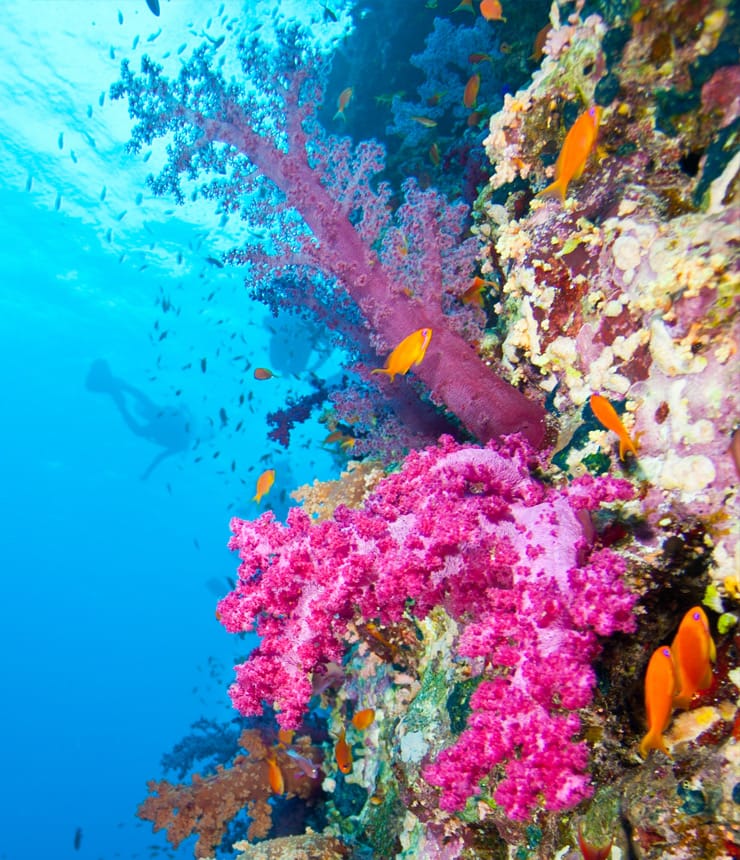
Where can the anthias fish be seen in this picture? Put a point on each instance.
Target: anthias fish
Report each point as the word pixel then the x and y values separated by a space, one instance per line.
pixel 408 353
pixel 264 483
pixel 660 688
pixel 577 147
pixel 693 652
pixel 606 415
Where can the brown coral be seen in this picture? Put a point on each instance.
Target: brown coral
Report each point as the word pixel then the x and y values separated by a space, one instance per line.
pixel 321 498
pixel 206 804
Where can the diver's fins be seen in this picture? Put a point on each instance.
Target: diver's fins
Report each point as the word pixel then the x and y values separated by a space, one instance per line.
pixel 99 378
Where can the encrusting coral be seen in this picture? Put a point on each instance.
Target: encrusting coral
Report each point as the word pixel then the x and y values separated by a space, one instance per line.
pixel 627 289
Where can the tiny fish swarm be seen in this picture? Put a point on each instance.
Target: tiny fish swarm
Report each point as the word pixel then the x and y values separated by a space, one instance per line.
pixel 456 527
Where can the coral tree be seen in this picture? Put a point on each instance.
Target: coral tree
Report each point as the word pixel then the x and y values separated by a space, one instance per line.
pixel 335 247
pixel 469 530
pixel 207 804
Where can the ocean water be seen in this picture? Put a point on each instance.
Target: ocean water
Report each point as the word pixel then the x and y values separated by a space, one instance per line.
pixel 110 647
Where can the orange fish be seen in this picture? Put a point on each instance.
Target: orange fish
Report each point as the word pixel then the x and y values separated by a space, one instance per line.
pixel 434 154
pixel 264 482
pixel 576 149
pixel 479 58
pixel 343 753
pixel 275 776
pixel 408 353
pixel 470 95
pixel 660 688
pixel 607 416
pixel 263 373
pixel 474 118
pixel 363 719
pixel 344 99
pixel 539 42
pixel 491 10
pixel 693 652
pixel 474 293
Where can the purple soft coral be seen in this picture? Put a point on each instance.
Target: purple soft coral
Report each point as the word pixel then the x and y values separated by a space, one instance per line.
pixel 468 529
pixel 330 238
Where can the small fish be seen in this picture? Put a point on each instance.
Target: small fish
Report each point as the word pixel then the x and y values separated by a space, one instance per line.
pixel 308 767
pixel 329 14
pixel 465 6
pixel 491 10
pixel 344 99
pixel 153 6
pixel 275 775
pixel 60 140
pixel 363 719
pixel 474 59
pixel 577 147
pixel 434 156
pixel 607 416
pixel 660 688
pixel 264 482
pixel 263 373
pixel 337 436
pixel 343 753
pixel 475 118
pixel 539 42
pixel 203 365
pixel 470 94
pixel 474 293
pixel 408 353
pixel 78 839
pixel 426 121
pixel 693 652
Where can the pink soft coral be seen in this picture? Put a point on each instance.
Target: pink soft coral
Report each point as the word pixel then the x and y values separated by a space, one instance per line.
pixel 468 529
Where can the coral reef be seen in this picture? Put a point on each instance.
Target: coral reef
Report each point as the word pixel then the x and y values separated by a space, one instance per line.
pixel 625 290
pixel 496 604
pixel 466 529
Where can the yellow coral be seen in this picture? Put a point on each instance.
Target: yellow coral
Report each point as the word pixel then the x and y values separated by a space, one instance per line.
pixel 321 498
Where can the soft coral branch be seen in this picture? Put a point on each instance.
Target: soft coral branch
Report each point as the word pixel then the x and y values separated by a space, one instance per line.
pixel 326 215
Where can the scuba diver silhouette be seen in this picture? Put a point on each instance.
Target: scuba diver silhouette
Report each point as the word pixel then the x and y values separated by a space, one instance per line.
pixel 166 426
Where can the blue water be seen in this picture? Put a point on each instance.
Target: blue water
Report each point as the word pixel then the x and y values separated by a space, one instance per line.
pixel 110 648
